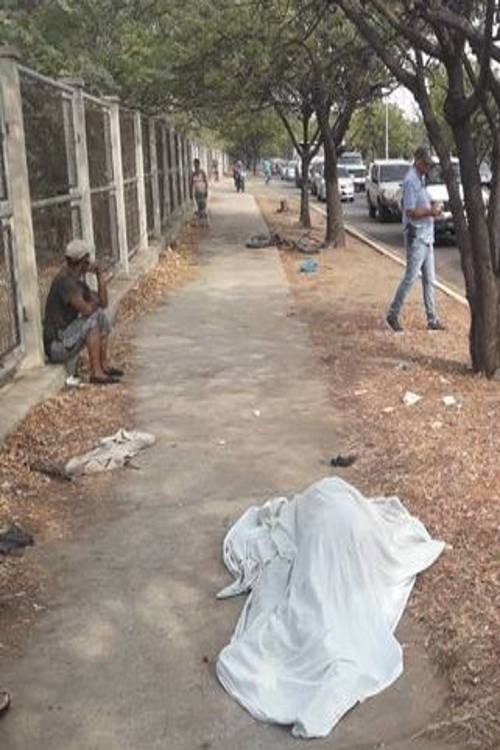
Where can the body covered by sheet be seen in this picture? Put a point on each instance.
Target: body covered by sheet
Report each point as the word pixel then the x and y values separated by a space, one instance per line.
pixel 329 574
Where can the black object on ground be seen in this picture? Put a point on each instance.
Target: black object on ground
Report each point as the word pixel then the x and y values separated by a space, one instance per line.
pixel 307 246
pixel 343 461
pixel 50 470
pixel 263 240
pixel 4 702
pixel 14 538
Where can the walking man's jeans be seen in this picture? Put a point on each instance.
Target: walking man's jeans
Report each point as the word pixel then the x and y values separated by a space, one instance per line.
pixel 419 257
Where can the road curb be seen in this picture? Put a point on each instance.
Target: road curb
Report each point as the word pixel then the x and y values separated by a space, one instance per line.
pixel 383 250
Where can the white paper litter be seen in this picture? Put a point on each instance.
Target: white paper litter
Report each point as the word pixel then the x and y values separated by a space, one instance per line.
pixel 450 401
pixel 411 398
pixel 111 453
pixel 329 574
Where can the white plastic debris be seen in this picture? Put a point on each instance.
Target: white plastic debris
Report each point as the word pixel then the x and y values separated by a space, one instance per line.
pixel 450 401
pixel 73 382
pixel 410 398
pixel 256 412
pixel 403 364
pixel 388 409
pixel 111 453
pixel 361 392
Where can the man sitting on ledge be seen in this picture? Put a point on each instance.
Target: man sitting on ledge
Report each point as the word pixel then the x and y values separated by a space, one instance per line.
pixel 75 316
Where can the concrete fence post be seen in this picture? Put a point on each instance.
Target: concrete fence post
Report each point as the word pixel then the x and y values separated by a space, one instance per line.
pixel 180 168
pixel 154 177
pixel 173 168
pixel 166 151
pixel 141 189
pixel 116 157
pixel 82 159
pixel 16 168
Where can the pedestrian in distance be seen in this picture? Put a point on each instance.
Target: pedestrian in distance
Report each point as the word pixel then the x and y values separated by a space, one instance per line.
pixel 267 171
pixel 239 177
pixel 199 188
pixel 418 229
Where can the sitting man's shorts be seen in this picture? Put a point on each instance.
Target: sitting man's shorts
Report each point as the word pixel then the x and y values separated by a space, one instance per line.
pixel 72 339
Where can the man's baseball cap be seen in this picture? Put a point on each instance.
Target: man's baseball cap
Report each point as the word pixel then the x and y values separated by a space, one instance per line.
pixel 422 154
pixel 77 250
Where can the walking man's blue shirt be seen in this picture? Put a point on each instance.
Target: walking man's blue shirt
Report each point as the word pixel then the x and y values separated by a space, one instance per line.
pixel 415 195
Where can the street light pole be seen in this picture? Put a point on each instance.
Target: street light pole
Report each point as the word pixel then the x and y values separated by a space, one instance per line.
pixel 386 128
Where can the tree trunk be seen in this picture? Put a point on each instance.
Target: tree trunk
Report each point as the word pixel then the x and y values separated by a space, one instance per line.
pixel 462 231
pixel 305 215
pixel 335 232
pixel 485 338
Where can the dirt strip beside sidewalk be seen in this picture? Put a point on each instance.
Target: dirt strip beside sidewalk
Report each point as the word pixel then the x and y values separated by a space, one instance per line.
pixel 442 461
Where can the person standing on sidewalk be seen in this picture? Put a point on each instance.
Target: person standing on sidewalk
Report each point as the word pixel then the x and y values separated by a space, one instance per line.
pixel 418 228
pixel 199 187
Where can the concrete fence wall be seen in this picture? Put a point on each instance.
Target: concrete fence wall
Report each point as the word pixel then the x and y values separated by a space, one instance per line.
pixel 73 165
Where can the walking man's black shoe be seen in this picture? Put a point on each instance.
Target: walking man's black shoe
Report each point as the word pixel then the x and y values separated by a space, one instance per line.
pixel 394 323
pixel 435 325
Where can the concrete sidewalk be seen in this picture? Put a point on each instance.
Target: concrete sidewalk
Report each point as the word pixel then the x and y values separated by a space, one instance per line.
pixel 228 382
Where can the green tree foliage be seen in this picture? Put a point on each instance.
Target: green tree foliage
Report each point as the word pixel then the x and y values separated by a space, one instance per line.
pixel 368 127
pixel 250 136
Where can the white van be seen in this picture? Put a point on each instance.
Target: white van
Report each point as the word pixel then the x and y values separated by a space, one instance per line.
pixel 353 162
pixel 383 188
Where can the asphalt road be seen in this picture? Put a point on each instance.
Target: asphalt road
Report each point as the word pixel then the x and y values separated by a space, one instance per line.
pixel 356 214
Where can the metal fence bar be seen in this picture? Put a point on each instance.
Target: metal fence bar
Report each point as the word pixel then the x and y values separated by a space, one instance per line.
pixel 43 79
pixel 19 196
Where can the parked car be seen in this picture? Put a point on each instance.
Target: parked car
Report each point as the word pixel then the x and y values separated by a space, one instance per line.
pixel 383 186
pixel 346 186
pixel 353 162
pixel 316 175
pixel 288 173
pixel 315 165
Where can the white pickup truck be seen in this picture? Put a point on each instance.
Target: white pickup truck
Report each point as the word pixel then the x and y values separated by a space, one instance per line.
pixel 353 162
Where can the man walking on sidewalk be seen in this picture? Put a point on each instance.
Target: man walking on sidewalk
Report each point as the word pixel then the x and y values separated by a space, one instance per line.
pixel 418 227
pixel 199 187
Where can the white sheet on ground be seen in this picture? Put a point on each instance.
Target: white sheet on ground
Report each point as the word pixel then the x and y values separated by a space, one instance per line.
pixel 329 574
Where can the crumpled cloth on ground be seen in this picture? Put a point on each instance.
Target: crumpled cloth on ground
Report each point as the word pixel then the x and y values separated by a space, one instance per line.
pixel 329 574
pixel 309 266
pixel 111 453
